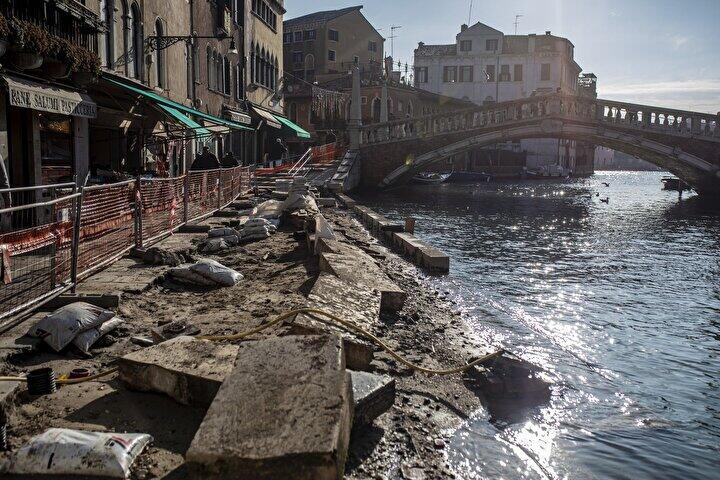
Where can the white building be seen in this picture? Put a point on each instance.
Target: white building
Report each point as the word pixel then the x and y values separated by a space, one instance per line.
pixel 484 65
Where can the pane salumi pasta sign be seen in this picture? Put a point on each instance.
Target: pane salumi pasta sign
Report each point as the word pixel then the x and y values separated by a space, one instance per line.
pixel 47 98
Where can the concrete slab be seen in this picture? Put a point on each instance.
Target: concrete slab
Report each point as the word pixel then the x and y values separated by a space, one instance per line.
pixel 434 260
pixel 360 306
pixel 361 270
pixel 373 395
pixel 285 411
pixel 188 370
pixel 345 200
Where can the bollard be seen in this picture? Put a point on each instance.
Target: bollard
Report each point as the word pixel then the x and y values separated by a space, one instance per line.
pixel 410 225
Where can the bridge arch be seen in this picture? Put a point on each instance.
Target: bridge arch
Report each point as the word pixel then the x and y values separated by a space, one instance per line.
pixel 691 169
pixel 685 143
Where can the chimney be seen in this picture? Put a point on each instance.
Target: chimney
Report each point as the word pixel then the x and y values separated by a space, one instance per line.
pixel 421 44
pixel 388 66
pixel 463 27
pixel 547 32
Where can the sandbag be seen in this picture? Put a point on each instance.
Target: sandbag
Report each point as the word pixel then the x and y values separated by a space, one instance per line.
pixel 221 232
pixel 268 209
pixel 62 326
pixel 185 275
pixel 217 272
pixel 61 451
pixel 85 340
pixel 213 245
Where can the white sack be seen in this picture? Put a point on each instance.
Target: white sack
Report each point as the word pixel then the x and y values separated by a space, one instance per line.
pixel 60 327
pixel 268 209
pixel 87 339
pixel 221 232
pixel 213 245
pixel 185 275
pixel 216 272
pixel 61 451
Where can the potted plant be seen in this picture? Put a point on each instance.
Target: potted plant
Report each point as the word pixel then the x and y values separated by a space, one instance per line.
pixel 84 64
pixel 4 34
pixel 55 64
pixel 31 43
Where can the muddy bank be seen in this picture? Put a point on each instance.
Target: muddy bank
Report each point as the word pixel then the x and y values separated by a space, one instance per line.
pixel 406 442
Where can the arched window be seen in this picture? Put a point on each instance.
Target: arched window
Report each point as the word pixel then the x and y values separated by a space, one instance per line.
pixel 376 103
pixel 127 23
pixel 108 10
pixel 258 64
pixel 137 41
pixel 276 72
pixel 310 68
pixel 210 68
pixel 219 72
pixel 263 67
pixel 252 63
pixel 160 57
pixel 227 75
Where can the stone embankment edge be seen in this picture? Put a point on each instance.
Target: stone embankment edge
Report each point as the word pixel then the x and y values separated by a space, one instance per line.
pixel 418 251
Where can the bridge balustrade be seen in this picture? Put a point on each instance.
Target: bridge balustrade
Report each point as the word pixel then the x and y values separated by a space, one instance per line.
pixel 627 115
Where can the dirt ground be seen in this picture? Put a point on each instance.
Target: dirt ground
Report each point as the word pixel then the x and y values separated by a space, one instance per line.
pixel 407 442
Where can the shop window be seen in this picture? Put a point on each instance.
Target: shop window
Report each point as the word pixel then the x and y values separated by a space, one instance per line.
pixel 56 143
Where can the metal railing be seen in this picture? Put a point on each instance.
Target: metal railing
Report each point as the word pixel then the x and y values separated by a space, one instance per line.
pixel 62 240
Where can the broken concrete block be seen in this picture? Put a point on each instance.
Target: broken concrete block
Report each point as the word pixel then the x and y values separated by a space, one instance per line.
pixel 188 370
pixel 360 306
pixel 285 411
pixel 345 200
pixel 434 260
pixel 361 270
pixel 8 395
pixel 373 396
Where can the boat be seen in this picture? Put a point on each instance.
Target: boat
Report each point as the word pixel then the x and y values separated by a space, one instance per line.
pixel 431 177
pixel 674 184
pixel 470 177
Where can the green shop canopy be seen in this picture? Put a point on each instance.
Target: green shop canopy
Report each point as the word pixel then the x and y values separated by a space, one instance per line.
pixel 199 130
pixel 299 131
pixel 179 107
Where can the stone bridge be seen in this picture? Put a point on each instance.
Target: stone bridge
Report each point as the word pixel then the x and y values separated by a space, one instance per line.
pixel 684 143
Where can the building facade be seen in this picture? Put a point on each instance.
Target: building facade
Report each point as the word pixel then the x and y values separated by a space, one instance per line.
pixel 322 45
pixel 484 65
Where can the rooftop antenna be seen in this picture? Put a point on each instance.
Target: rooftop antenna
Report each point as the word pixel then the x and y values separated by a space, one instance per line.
pixel 392 38
pixel 517 22
pixel 470 14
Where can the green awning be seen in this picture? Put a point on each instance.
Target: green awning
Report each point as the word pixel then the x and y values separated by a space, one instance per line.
pixel 199 130
pixel 299 131
pixel 160 100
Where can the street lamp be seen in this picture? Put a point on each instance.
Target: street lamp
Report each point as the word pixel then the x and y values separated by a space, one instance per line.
pixel 161 42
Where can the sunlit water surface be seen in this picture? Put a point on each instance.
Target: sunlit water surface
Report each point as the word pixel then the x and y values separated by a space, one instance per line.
pixel 619 301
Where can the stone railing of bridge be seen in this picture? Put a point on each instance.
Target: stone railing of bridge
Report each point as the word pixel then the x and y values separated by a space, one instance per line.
pixel 562 107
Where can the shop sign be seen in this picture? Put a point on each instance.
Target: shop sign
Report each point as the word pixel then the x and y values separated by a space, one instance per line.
pixel 50 99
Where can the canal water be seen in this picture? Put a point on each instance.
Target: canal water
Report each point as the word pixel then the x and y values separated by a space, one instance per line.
pixel 618 301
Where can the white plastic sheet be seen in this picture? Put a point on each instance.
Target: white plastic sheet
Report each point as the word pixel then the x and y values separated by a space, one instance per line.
pixel 85 340
pixel 61 451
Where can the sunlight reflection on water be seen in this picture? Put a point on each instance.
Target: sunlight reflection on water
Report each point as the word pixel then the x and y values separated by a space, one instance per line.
pixel 619 302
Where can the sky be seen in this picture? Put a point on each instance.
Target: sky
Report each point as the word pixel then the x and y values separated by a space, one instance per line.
pixel 657 52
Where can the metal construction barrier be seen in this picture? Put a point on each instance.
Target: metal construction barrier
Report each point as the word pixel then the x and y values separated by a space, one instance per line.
pixel 46 246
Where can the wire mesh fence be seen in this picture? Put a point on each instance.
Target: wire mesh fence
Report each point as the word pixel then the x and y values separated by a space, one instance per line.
pixel 45 246
pixel 35 255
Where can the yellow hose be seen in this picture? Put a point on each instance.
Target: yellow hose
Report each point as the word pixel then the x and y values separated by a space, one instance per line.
pixel 330 318
pixel 316 314
pixel 66 381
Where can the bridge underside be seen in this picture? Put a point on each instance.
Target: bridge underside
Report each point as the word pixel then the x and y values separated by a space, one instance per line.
pixel 696 163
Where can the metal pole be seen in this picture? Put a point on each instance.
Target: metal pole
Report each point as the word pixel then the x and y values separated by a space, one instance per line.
pixel 186 197
pixel 75 249
pixel 138 214
pixel 219 189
